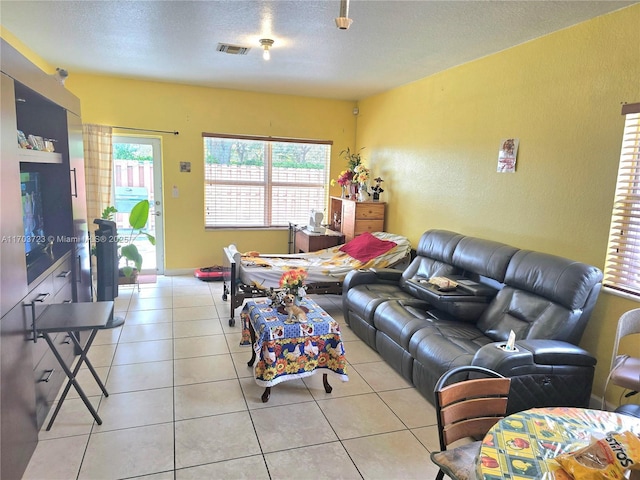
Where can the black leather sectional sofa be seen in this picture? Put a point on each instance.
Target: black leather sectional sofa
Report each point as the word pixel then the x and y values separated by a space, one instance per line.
pixel 423 331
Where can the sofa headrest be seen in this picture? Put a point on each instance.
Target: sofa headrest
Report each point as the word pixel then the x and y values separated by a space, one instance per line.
pixel 483 257
pixel 559 279
pixel 438 244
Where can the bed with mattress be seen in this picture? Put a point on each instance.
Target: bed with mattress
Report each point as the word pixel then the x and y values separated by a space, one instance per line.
pixel 252 274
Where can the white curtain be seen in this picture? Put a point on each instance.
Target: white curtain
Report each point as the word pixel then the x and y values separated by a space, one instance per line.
pixel 98 165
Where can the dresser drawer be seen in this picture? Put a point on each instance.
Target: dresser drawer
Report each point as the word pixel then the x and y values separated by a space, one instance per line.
pixel 370 211
pixel 64 295
pixel 62 275
pixel 368 226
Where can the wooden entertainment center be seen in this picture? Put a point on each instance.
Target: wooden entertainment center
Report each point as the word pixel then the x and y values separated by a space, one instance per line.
pixel 45 253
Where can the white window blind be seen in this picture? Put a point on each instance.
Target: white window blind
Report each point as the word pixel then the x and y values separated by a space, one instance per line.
pixel 622 267
pixel 258 182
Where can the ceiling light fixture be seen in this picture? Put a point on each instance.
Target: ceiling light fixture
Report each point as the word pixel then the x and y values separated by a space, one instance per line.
pixel 266 43
pixel 343 22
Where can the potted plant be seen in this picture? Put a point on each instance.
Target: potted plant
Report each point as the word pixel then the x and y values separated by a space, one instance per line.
pixel 138 218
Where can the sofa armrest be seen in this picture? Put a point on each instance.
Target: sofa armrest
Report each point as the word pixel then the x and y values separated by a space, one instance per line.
pixel 532 356
pixel 371 275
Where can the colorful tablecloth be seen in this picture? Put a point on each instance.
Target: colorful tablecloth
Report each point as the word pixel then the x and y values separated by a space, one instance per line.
pixel 523 446
pixel 286 349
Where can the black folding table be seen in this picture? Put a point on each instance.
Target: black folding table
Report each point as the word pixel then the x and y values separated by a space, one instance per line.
pixel 71 318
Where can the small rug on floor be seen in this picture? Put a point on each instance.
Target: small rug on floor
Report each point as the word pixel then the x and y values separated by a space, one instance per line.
pixel 150 278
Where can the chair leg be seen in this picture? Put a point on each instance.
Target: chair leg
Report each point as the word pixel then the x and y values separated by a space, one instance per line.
pixel 440 475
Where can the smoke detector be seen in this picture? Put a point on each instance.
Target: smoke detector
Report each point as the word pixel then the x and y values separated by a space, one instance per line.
pixel 232 49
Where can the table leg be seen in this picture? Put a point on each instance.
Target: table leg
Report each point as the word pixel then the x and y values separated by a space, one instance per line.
pixel 72 381
pixel 327 388
pixel 266 395
pixel 250 363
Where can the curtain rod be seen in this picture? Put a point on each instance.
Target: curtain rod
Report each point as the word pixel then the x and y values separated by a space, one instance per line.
pixel 145 130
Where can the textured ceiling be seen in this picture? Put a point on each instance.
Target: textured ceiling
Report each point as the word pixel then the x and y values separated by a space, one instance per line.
pixel 390 43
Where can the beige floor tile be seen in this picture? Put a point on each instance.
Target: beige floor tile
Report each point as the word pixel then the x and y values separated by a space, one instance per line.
pixel 143 352
pixel 206 399
pixel 140 376
pixel 381 376
pixel 203 369
pixel 146 332
pixel 154 292
pixel 359 416
pixel 194 313
pixel 87 382
pixel 428 436
pixel 197 328
pixel 186 290
pixel 247 468
pixel 151 303
pixel 347 334
pixel 47 461
pixel 135 409
pixel 359 352
pixel 149 316
pixel 212 439
pixel 286 393
pixel 391 455
pixel 192 301
pixel 156 476
pixel 329 460
pixel 410 406
pixel 73 419
pixel 109 336
pixel 128 453
pixel 102 355
pixel 240 362
pixel 233 339
pixel 200 346
pixel 291 426
pixel 355 386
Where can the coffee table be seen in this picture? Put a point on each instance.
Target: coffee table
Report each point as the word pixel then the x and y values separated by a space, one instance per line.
pixel 287 350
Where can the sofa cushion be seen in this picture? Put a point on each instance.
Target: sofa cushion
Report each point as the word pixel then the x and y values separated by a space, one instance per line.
pixel 486 258
pixel 365 247
pixel 559 279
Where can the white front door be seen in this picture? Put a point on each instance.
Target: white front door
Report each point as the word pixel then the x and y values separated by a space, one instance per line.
pixel 137 175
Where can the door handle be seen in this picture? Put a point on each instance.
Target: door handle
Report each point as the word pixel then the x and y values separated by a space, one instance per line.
pixel 157 214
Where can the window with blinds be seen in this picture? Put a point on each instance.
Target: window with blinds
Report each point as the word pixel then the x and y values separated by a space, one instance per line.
pixel 258 182
pixel 622 267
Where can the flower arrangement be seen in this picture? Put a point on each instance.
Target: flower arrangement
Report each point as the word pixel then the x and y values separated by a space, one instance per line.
pixel 292 281
pixel 361 174
pixel 344 179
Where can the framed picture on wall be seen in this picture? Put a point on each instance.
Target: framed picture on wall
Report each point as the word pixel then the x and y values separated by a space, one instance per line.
pixel 507 155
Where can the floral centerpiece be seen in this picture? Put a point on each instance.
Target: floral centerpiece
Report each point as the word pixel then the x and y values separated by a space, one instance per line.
pixel 361 177
pixel 377 189
pixel 292 282
pixel 346 177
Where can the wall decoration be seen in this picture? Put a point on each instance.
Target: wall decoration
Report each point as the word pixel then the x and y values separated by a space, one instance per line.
pixel 507 155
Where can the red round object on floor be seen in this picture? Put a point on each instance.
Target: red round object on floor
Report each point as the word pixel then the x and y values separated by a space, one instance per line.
pixel 215 272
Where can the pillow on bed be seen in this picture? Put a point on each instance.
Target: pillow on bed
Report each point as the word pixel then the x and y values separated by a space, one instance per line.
pixel 365 247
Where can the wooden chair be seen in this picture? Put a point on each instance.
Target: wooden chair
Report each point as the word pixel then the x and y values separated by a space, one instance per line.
pixel 466 408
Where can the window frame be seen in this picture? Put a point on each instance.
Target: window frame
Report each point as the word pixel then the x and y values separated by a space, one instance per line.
pixel 268 183
pixel 622 261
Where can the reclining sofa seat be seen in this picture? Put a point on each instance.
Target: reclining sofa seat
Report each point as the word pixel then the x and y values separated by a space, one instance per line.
pixel 362 294
pixel 546 300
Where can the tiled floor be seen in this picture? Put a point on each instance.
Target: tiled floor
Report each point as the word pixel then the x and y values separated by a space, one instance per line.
pixel 183 404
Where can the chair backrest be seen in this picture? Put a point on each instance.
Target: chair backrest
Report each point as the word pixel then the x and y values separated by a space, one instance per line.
pixel 470 406
pixel 628 324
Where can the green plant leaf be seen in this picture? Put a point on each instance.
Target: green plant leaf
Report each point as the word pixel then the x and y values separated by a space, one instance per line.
pixel 150 237
pixel 131 253
pixel 139 214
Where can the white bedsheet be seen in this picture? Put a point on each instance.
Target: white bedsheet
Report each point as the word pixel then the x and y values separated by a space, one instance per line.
pixel 325 265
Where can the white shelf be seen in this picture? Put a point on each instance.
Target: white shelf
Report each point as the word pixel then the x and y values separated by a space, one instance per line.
pixel 37 156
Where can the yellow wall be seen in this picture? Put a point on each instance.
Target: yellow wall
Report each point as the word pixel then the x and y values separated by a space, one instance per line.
pixel 435 143
pixel 191 111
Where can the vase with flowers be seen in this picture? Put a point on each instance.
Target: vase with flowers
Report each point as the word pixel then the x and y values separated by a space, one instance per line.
pixel 345 179
pixel 377 189
pixel 292 282
pixel 361 177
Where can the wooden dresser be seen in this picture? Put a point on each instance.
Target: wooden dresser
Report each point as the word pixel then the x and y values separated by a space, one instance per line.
pixel 354 218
